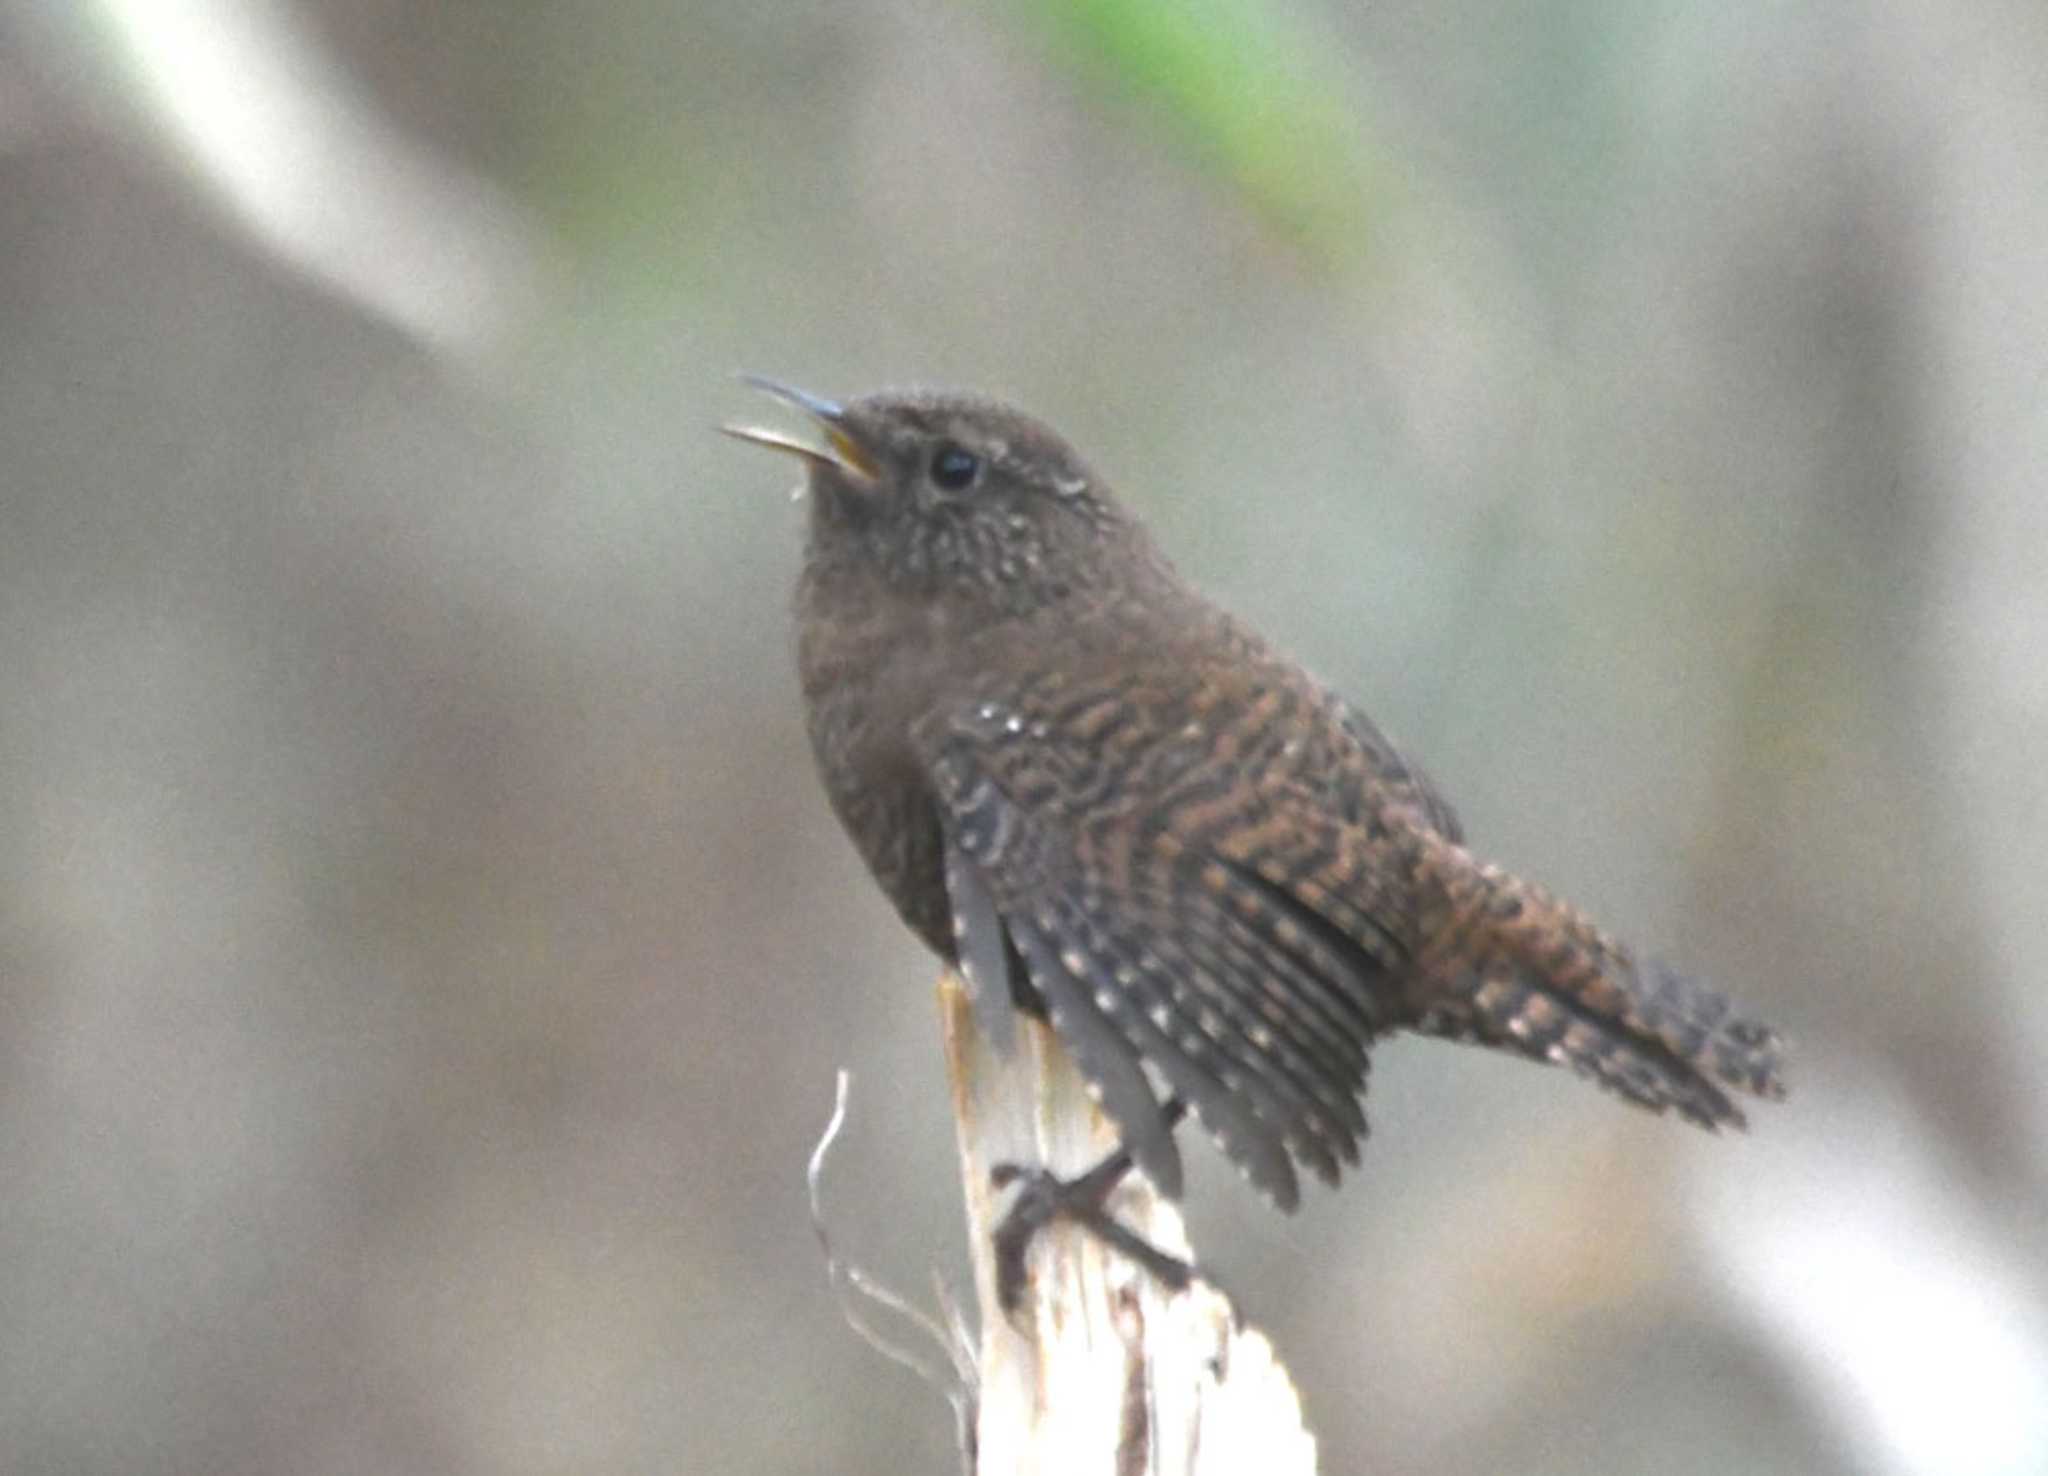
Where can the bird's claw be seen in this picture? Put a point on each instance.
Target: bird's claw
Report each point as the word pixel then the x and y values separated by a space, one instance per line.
pixel 1043 1197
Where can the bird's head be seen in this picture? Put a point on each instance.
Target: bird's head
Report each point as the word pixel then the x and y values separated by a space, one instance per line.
pixel 952 497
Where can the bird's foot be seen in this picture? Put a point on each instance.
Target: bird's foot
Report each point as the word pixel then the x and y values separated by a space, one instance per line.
pixel 1043 1197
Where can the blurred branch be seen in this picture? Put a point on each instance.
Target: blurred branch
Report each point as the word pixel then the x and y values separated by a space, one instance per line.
pixel 1890 1294
pixel 301 157
pixel 1104 1368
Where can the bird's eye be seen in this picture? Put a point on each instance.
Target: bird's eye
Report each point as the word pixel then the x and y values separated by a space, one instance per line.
pixel 954 467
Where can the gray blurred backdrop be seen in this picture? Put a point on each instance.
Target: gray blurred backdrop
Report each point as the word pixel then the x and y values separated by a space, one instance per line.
pixel 424 953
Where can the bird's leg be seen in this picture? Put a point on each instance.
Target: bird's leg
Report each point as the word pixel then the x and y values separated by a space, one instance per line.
pixel 1043 1197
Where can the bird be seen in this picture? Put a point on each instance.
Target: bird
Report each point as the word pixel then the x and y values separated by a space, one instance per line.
pixel 1114 806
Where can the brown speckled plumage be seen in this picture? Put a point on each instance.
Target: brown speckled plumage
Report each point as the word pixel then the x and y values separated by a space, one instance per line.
pixel 1114 804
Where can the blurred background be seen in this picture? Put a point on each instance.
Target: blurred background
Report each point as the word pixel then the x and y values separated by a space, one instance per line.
pixel 425 953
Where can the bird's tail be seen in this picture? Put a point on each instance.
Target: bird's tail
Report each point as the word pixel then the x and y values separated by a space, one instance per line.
pixel 1517 968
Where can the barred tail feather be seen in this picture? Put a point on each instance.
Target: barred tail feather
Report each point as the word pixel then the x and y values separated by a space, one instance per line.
pixel 1540 979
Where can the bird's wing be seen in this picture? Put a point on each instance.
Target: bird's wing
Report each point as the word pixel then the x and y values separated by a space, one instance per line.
pixel 1172 909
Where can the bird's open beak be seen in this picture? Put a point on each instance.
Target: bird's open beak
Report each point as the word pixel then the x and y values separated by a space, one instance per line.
pixel 841 450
